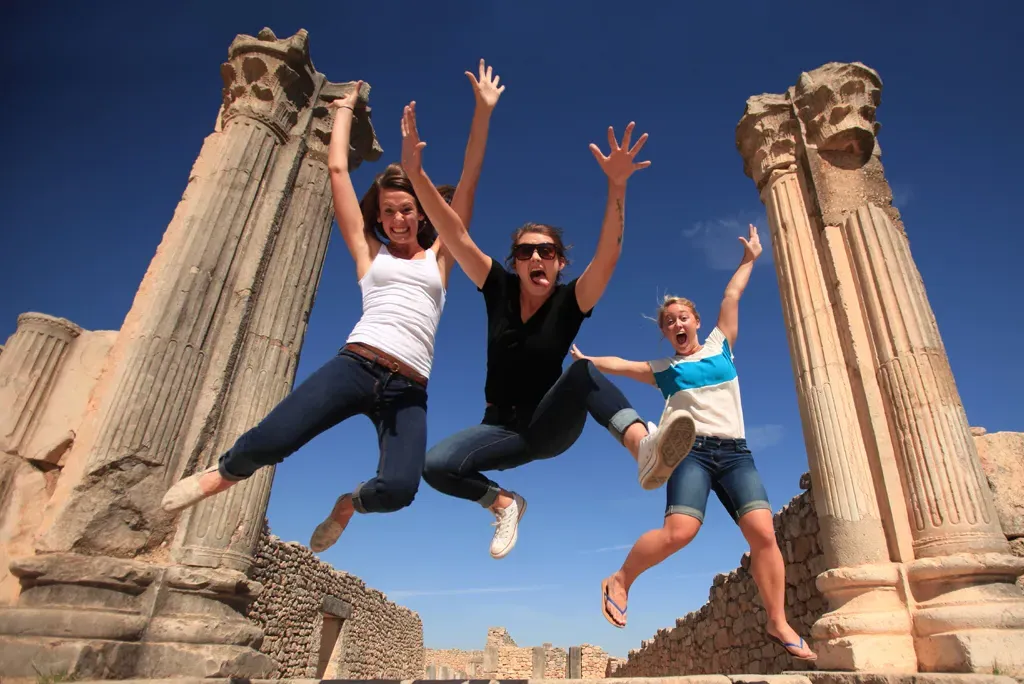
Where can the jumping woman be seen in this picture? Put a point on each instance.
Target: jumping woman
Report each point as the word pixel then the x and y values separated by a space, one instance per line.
pixel 701 380
pixel 535 410
pixel 402 267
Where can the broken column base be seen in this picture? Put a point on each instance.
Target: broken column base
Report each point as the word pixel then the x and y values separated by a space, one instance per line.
pixel 109 618
pixel 978 650
pixel 48 657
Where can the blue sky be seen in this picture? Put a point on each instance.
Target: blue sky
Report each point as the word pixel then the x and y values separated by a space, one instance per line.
pixel 107 109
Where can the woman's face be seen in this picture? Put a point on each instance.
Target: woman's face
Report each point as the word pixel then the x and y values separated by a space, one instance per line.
pixel 537 263
pixel 399 215
pixel 679 326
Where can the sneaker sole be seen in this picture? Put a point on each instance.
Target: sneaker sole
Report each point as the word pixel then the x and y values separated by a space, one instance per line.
pixel 515 533
pixel 674 444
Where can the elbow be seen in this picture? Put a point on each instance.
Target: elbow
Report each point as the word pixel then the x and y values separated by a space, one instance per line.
pixel 336 168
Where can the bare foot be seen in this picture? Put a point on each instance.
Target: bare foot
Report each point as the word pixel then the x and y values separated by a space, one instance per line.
pixel 614 598
pixel 798 647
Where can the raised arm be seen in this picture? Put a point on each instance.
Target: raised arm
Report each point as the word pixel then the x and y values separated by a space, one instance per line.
pixel 618 166
pixel 450 227
pixel 729 314
pixel 637 370
pixel 486 93
pixel 361 244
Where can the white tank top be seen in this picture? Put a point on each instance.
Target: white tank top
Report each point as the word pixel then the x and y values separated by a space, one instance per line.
pixel 402 304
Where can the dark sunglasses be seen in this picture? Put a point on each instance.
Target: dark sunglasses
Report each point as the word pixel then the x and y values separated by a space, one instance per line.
pixel 524 251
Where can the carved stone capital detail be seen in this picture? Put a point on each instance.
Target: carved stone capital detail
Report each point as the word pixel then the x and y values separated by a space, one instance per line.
pixel 766 136
pixel 268 79
pixel 363 143
pixel 836 103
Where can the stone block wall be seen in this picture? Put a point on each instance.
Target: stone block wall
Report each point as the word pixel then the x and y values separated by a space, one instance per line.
pixel 453 658
pixel 595 662
pixel 1002 458
pixel 554 666
pixel 726 635
pixel 515 663
pixel 379 639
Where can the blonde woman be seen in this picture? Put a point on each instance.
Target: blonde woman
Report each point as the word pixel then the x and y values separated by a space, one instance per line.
pixel 701 380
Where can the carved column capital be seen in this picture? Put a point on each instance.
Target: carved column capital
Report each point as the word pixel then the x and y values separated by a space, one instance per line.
pixel 836 104
pixel 268 79
pixel 766 137
pixel 363 143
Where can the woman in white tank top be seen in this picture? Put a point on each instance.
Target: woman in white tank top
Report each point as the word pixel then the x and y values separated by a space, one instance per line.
pixel 402 268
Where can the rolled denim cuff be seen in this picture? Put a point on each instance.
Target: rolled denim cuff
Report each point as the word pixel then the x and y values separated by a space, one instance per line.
pixel 227 475
pixel 621 421
pixel 488 499
pixel 357 502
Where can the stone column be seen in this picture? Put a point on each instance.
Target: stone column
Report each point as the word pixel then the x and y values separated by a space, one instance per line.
pixel 28 372
pixel 968 615
pixel 868 626
pixel 223 531
pixel 574 663
pixel 187 348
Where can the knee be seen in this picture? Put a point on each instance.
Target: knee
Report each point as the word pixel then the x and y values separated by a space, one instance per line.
pixel 681 532
pixel 396 496
pixel 760 534
pixel 435 467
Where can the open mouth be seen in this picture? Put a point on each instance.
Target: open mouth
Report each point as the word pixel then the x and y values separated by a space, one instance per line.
pixel 539 277
pixel 681 338
pixel 400 231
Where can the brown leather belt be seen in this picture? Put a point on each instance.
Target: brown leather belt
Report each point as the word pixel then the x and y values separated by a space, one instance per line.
pixel 386 361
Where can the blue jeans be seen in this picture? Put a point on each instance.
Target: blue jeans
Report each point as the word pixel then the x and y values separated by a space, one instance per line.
pixel 345 386
pixel 507 439
pixel 723 465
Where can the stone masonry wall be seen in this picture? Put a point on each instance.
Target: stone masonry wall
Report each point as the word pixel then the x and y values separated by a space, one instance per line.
pixel 554 665
pixel 380 640
pixel 595 662
pixel 1002 458
pixel 515 662
pixel 454 658
pixel 726 635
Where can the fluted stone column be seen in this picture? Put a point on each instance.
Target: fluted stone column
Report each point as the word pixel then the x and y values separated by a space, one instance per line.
pixel 223 531
pixel 211 341
pixel 28 371
pixel 868 626
pixel 968 615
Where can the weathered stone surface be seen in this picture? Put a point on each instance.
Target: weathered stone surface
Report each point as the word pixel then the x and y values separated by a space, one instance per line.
pixel 826 677
pixel 1002 458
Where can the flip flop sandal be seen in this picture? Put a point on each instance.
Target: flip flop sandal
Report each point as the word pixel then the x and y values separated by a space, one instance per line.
pixel 788 646
pixel 605 600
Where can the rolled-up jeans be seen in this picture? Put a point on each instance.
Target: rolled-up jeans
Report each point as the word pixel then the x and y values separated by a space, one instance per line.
pixel 507 439
pixel 345 386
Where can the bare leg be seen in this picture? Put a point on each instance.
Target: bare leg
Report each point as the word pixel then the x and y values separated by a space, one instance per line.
pixel 213 483
pixel 769 573
pixel 632 436
pixel 650 549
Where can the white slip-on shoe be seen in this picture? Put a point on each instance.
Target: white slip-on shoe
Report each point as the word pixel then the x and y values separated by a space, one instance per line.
pixel 186 492
pixel 507 524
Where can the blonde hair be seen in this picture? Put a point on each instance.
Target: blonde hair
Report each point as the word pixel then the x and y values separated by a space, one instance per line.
pixel 668 301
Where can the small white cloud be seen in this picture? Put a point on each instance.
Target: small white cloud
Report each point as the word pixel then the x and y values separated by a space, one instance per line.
pixel 719 238
pixel 764 436
pixel 406 593
pixel 901 196
pixel 603 549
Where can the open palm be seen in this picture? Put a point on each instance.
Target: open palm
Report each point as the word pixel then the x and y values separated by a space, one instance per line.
pixel 486 89
pixel 751 245
pixel 619 164
pixel 412 146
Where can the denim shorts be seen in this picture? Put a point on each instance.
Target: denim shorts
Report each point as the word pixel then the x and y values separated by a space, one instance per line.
pixel 723 465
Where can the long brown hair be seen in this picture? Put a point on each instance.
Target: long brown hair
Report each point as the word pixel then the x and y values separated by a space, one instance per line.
pixel 555 234
pixel 394 178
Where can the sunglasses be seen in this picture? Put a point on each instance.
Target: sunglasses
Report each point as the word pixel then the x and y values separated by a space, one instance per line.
pixel 524 251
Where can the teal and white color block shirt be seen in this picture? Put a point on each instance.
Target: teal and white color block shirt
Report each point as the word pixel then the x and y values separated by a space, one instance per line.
pixel 706 385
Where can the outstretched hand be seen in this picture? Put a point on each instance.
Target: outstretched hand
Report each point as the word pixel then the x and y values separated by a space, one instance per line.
pixel 348 100
pixel 619 164
pixel 576 354
pixel 412 146
pixel 486 89
pixel 751 245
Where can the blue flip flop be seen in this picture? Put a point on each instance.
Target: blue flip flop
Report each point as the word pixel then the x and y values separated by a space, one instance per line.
pixel 788 646
pixel 605 600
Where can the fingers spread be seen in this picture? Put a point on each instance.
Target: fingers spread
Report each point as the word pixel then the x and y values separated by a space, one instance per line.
pixel 639 144
pixel 611 140
pixel 601 159
pixel 628 135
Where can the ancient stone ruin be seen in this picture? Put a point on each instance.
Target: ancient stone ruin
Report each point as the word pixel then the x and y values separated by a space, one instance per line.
pixel 899 553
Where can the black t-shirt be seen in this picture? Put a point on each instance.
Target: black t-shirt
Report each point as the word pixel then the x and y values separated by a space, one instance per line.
pixel 525 359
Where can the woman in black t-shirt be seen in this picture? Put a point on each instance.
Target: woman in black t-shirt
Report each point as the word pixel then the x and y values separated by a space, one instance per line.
pixel 534 410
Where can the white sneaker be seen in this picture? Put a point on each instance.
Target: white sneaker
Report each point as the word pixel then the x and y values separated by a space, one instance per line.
pixel 664 448
pixel 507 522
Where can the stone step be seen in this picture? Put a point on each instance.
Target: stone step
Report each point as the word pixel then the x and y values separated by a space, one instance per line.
pixel 811 677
